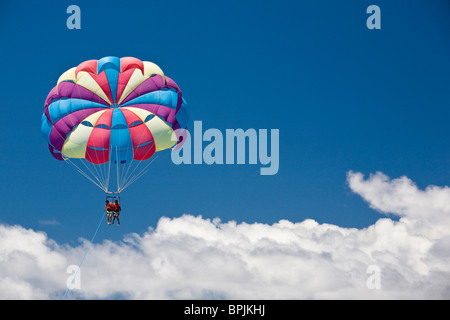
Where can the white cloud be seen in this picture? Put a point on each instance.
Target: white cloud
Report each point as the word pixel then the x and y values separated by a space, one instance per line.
pixel 192 257
pixel 425 212
pixel 28 263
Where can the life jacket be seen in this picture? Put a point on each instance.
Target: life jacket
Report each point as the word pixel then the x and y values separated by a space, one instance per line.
pixel 116 207
pixel 109 206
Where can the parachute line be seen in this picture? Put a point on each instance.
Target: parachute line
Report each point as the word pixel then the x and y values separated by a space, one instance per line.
pixel 96 175
pixel 133 178
pixel 84 174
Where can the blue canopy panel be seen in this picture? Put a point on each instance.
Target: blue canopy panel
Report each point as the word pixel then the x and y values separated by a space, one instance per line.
pixel 121 146
pixel 111 66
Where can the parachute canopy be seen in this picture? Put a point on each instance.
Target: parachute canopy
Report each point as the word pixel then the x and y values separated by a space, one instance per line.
pixel 111 114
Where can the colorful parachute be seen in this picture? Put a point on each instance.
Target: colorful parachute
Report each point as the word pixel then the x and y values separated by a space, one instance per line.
pixel 111 115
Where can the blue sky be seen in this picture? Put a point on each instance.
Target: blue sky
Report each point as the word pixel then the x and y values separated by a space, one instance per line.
pixel 343 97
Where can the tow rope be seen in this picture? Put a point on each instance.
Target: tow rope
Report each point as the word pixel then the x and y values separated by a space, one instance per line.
pixel 85 254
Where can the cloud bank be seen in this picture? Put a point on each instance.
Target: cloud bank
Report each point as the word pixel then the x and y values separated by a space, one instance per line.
pixel 190 257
